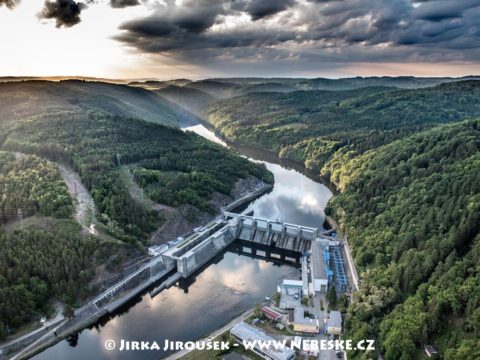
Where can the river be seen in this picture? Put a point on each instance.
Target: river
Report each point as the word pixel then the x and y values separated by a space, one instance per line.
pixel 228 286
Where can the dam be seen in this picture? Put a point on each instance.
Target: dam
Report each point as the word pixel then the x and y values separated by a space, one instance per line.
pixel 200 247
pixel 233 281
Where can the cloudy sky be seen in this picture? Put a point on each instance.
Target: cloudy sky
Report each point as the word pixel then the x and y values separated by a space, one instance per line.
pixel 206 38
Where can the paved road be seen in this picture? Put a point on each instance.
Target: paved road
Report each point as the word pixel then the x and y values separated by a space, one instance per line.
pixel 37 342
pixel 53 321
pixel 214 334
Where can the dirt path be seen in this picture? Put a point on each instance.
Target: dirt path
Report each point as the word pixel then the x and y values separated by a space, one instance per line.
pixel 84 206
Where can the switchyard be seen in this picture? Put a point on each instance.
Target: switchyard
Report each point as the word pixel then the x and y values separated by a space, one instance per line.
pixel 341 279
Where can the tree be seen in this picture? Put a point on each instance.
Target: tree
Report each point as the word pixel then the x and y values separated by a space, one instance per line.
pixel 68 312
pixel 2 331
pixel 332 296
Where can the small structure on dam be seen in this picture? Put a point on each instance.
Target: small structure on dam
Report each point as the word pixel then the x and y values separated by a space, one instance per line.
pixel 197 249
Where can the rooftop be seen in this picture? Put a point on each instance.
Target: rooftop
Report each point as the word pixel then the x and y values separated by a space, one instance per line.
pixel 299 317
pixel 234 356
pixel 250 333
pixel 335 319
pixel 272 314
pixel 431 350
pixel 292 283
pixel 319 267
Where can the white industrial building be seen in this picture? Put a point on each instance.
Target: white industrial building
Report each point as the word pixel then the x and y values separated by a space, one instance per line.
pixel 244 332
pixel 290 294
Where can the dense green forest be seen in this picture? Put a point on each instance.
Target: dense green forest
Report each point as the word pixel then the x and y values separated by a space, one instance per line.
pixel 193 172
pixel 409 200
pixel 88 126
pixel 44 255
pixel 94 144
pixel 312 126
pixel 30 186
pixel 411 210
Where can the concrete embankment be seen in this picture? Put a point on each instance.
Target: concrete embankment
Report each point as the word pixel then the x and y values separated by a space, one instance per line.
pixel 249 197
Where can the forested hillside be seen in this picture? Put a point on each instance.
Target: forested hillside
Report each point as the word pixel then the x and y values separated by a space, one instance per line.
pixel 95 144
pixel 32 186
pixel 43 253
pixel 312 126
pixel 19 100
pixel 411 210
pixel 409 200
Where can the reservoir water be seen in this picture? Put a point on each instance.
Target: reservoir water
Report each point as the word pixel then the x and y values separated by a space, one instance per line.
pixel 228 286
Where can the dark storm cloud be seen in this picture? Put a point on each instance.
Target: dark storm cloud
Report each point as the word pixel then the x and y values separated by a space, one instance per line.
pixel 9 3
pixel 65 12
pixel 310 31
pixel 163 39
pixel 118 4
pixel 172 27
pixel 262 8
pixel 443 9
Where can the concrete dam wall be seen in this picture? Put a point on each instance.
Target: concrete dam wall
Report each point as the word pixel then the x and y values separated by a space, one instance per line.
pixel 274 233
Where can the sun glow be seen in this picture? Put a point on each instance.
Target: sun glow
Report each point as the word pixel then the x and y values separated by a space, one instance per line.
pixel 33 47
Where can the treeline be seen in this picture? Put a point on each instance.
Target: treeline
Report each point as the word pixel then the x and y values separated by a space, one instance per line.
pixel 314 126
pixel 411 210
pixel 94 144
pixel 30 186
pixel 41 257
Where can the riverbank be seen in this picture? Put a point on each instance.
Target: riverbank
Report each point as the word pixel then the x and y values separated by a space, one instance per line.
pixel 230 284
pixel 258 153
pixel 183 353
pixel 89 314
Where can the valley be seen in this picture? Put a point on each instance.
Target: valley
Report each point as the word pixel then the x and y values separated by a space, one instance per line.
pixel 115 173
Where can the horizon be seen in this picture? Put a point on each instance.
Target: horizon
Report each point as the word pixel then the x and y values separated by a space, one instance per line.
pixel 166 39
pixel 57 78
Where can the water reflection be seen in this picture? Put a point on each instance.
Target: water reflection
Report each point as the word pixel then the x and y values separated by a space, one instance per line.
pixel 207 134
pixel 296 197
pixel 229 285
pixel 220 292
